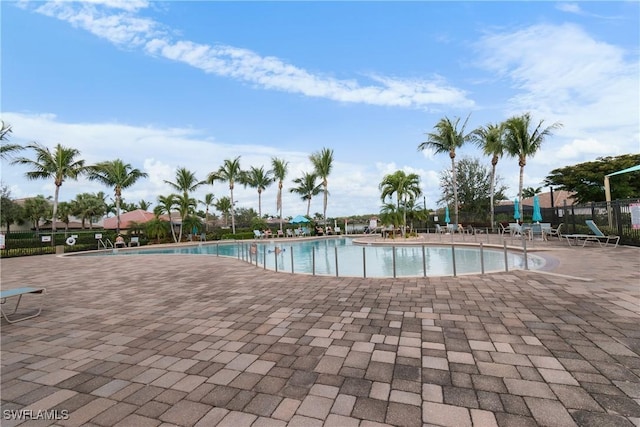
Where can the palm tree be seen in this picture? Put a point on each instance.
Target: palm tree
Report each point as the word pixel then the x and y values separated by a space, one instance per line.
pixel 446 139
pixel 280 169
pixel 229 172
pixel 406 187
pixel 64 212
pixel 7 149
pixel 185 181
pixel 117 175
pixel 490 140
pixel 259 179
pixel 209 199
pixel 307 188
pixel 165 206
pixel 186 206
pixel 144 205
pixel 60 164
pixel 322 164
pixel 521 143
pixel 224 206
pixel 37 208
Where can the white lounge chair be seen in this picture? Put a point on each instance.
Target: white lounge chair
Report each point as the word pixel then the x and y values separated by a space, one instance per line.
pixel 600 235
pixel 257 234
pixel 19 292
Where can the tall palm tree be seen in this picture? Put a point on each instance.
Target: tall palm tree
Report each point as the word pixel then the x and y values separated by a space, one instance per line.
pixel 446 139
pixel 520 142
pixel 144 205
pixel 186 206
pixel 224 206
pixel 7 149
pixel 229 172
pixel 259 179
pixel 209 199
pixel 117 175
pixel 186 181
pixel 490 139
pixel 60 164
pixel 322 162
pixel 280 169
pixel 165 206
pixel 405 186
pixel 307 188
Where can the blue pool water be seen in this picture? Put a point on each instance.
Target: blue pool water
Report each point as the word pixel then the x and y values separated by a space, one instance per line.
pixel 319 257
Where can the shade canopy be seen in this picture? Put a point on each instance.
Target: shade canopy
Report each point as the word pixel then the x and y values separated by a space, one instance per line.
pixel 299 219
pixel 516 210
pixel 537 215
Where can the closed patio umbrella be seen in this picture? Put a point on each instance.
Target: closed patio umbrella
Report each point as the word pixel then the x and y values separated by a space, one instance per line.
pixel 537 215
pixel 516 211
pixel 446 215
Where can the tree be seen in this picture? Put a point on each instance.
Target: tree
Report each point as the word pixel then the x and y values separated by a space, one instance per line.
pixel 280 170
pixel 165 206
pixel 490 140
pixel 117 175
pixel 87 206
pixel 157 228
pixel 322 162
pixel 306 188
pixel 7 149
pixel 186 181
pixel 36 209
pixel 229 172
pixel 530 191
pixel 144 205
pixel 390 214
pixel 474 187
pixel 10 211
pixel 64 213
pixel 208 201
pixel 224 206
pixel 405 186
pixel 446 139
pixel 586 180
pixel 60 164
pixel 186 206
pixel 259 179
pixel 520 142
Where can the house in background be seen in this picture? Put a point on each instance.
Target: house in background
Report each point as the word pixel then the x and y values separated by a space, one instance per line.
pixel 138 216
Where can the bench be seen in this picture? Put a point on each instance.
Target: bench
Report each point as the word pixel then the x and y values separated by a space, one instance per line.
pixel 18 292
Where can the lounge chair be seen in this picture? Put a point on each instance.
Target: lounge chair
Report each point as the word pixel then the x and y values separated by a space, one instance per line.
pixel 18 292
pixel 516 230
pixel 280 233
pixel 289 232
pixel 439 229
pixel 135 240
pixel 553 232
pixel 337 230
pixel 504 229
pixel 600 235
pixel 257 234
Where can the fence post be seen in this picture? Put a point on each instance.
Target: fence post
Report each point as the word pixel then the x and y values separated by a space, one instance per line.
pixel 336 252
pixel 453 258
pixel 393 248
pixel 291 249
pixel 481 259
pixel 313 260
pixel 364 263
pixel 506 258
pixel 424 262
pixel 524 249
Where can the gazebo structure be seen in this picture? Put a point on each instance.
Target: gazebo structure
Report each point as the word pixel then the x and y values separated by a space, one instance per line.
pixel 607 189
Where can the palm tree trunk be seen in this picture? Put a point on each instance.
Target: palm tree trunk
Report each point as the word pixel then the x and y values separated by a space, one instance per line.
pixel 233 212
pixel 308 206
pixel 324 212
pixel 118 213
pixel 54 214
pixel 279 203
pixel 455 188
pixel 491 195
pixel 259 204
pixel 520 192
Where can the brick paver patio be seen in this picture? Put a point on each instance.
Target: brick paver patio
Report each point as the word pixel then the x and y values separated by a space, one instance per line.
pixel 202 341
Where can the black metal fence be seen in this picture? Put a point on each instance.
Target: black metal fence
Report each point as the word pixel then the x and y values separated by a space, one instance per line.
pixel 46 242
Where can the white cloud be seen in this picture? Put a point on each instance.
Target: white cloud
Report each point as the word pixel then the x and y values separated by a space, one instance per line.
pixel 125 29
pixel 569 7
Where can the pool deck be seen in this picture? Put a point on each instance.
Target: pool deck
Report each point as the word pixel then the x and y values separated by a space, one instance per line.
pixel 194 340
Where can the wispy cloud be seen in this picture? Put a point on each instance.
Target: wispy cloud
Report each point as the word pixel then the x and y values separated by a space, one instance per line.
pixel 120 22
pixel 561 73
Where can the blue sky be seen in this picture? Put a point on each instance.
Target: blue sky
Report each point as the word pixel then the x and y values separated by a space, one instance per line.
pixel 164 85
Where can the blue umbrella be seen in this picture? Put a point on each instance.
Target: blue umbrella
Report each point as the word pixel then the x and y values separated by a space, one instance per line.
pixel 537 216
pixel 299 219
pixel 516 211
pixel 446 215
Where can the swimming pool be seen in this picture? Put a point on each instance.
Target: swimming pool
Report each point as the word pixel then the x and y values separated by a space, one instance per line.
pixel 341 257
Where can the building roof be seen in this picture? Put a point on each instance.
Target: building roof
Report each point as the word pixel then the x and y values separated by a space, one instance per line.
pixel 140 216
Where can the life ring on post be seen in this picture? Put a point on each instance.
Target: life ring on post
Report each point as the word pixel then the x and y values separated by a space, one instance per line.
pixel 71 241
